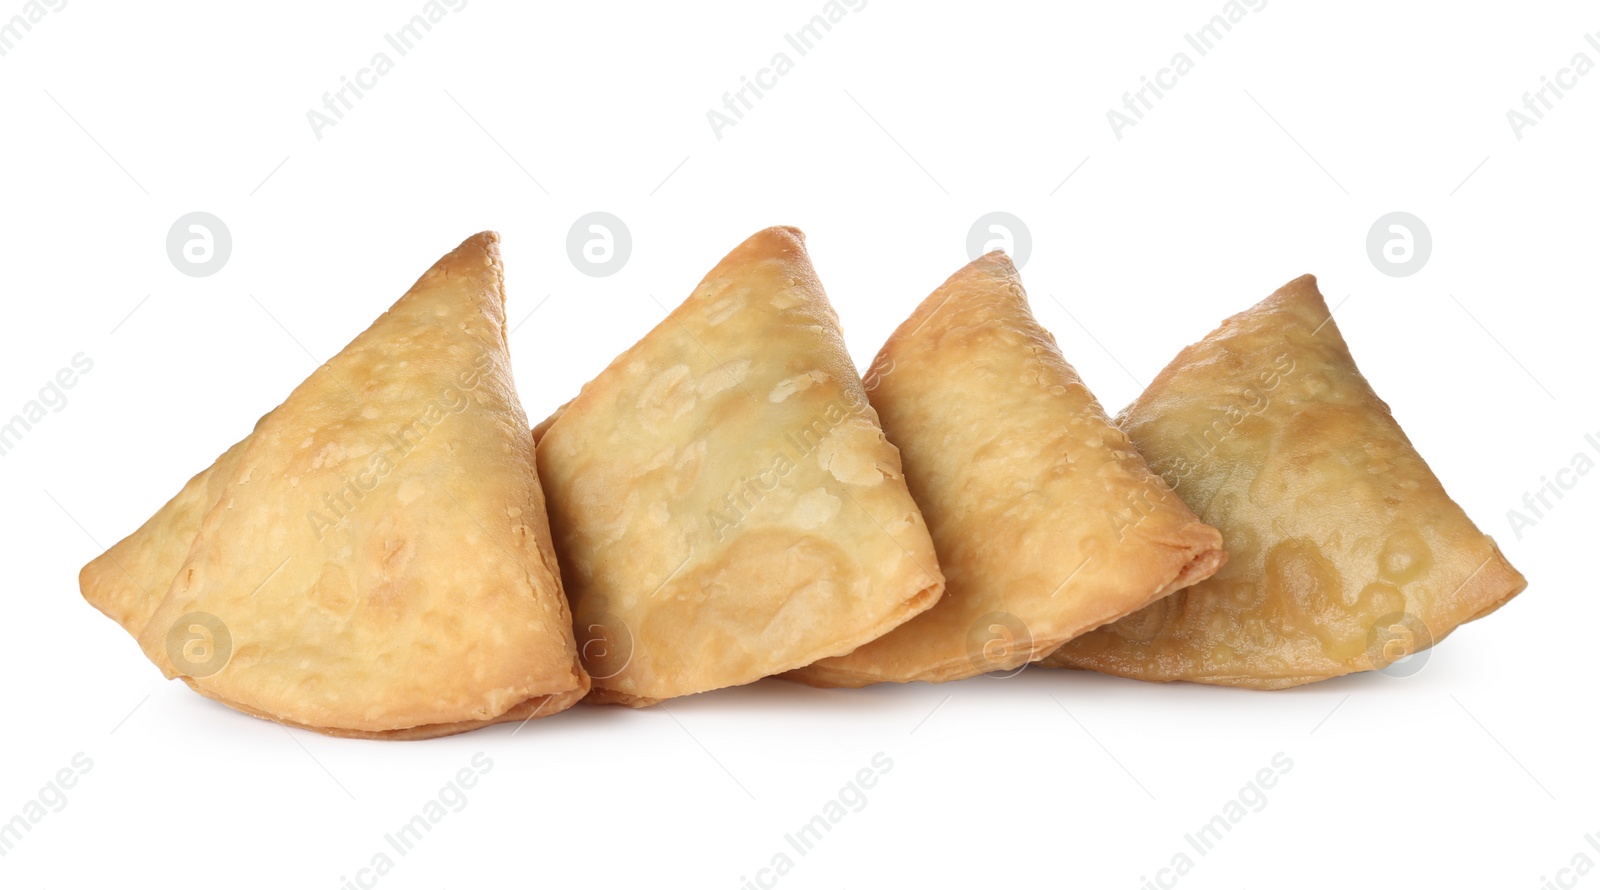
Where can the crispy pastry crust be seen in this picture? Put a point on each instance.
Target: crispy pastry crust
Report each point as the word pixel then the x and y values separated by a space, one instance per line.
pixel 377 547
pixel 1345 551
pixel 724 501
pixel 1046 520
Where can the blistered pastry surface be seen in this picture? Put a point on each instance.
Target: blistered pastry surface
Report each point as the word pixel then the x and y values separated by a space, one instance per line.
pixel 377 548
pixel 1344 550
pixel 1046 520
pixel 724 502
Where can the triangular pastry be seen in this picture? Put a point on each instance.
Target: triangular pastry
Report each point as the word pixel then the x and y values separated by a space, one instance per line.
pixel 374 559
pixel 1345 553
pixel 1046 521
pixel 724 502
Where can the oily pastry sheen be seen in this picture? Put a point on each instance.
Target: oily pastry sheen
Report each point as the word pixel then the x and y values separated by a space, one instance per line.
pixel 374 559
pixel 1046 521
pixel 724 502
pixel 1345 553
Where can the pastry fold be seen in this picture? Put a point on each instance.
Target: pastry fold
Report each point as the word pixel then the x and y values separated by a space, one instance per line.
pixel 724 502
pixel 1345 553
pixel 1046 520
pixel 374 559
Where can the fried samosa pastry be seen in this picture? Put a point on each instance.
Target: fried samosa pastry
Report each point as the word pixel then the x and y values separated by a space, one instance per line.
pixel 724 502
pixel 374 559
pixel 1046 521
pixel 1345 553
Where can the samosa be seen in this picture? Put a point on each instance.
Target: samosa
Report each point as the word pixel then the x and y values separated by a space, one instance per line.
pixel 1047 522
pixel 724 502
pixel 1345 553
pixel 374 559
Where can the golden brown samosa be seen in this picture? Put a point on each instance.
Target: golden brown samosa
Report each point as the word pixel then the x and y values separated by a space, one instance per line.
pixel 1046 521
pixel 374 559
pixel 724 502
pixel 1345 553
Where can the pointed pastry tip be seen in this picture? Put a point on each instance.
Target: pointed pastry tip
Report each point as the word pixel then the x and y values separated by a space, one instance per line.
pixel 785 232
pixel 775 240
pixel 483 248
pixel 995 262
pixel 1303 289
pixel 485 242
pixel 785 244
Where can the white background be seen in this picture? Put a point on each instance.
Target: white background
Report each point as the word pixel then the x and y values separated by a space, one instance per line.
pixel 897 131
